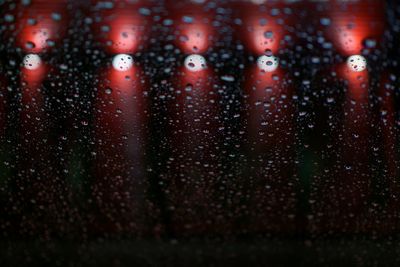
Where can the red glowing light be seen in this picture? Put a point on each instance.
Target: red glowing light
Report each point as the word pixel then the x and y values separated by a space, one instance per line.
pixel 269 120
pixel 193 28
pixel 40 26
pixel 120 113
pixel 260 30
pixel 353 23
pixel 35 38
pixel 194 111
pixel 195 37
pixel 33 78
pixel 357 82
pixel 264 80
pixel 200 80
pixel 195 95
pixel 265 88
pixel 123 83
pixel 120 130
pixel 32 111
pixel 123 29
pixel 126 33
pixel 261 38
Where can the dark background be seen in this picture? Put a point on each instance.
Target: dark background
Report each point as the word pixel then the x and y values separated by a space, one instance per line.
pixel 235 220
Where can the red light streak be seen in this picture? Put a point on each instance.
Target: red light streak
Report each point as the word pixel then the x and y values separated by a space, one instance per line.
pixel 269 121
pixel 120 123
pixel 357 82
pixel 193 132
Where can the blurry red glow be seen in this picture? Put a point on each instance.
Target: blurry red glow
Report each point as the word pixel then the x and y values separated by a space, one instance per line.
pixel 269 120
pixel 195 37
pixel 197 78
pixel 120 121
pixel 120 110
pixel 125 36
pixel 355 185
pixel 120 106
pixel 353 23
pixel 195 97
pixel 260 80
pixel 127 33
pixel 32 111
pixel 34 38
pixel 32 79
pixel 262 87
pixel 123 30
pixel 194 111
pixel 40 26
pixel 261 38
pixel 357 82
pixel 123 82
pixel 193 29
pixel 259 30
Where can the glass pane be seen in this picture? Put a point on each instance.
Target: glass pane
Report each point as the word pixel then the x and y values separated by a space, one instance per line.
pixel 199 132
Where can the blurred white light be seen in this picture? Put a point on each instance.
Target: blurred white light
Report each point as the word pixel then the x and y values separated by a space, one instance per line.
pixel 195 62
pixel 267 63
pixel 32 61
pixel 122 62
pixel 357 63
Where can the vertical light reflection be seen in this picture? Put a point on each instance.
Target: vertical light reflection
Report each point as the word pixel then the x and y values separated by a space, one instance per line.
pixel 270 131
pixel 194 164
pixel 120 136
pixel 355 174
pixel 341 186
pixel 354 27
pixel 33 73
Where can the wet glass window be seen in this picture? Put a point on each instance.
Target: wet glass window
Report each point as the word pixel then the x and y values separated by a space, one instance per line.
pixel 199 132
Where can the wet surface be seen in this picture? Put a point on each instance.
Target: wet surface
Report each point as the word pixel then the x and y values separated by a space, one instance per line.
pixel 168 123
